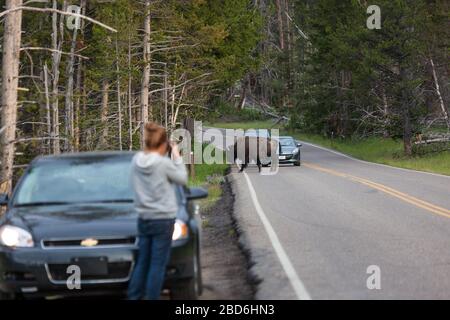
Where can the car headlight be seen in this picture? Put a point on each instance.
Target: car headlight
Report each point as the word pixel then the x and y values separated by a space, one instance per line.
pixel 296 150
pixel 180 230
pixel 15 237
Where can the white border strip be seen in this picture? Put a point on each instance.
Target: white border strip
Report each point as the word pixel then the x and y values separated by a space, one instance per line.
pixel 373 163
pixel 297 284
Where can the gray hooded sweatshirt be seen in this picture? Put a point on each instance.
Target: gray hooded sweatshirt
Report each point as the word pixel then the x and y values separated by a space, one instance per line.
pixel 152 178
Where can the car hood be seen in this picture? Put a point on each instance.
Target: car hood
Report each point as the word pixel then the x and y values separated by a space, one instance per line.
pixel 287 150
pixel 73 221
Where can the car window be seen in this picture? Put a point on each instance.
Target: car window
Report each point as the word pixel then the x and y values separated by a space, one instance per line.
pixel 76 181
pixel 287 142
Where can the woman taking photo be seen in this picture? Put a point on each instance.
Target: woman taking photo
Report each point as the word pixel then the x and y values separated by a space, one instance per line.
pixel 153 176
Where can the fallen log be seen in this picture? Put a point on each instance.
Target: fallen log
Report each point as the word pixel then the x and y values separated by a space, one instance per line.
pixel 429 141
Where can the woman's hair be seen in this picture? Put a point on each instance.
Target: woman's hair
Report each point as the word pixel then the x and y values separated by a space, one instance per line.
pixel 155 136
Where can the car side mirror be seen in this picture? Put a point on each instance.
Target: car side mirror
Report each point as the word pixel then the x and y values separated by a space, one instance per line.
pixel 196 193
pixel 4 199
pixel 299 145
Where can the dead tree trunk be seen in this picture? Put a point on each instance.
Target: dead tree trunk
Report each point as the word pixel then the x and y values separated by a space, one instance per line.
pixel 172 108
pixel 243 99
pixel 166 98
pixel 438 93
pixel 69 106
pixel 386 119
pixel 69 103
pixel 76 111
pixel 47 108
pixel 10 83
pixel 104 115
pixel 145 86
pixel 130 100
pixel 290 53
pixel 78 91
pixel 280 14
pixel 119 96
pixel 55 70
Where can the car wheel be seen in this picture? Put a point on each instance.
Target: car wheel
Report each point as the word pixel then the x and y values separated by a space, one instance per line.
pixel 188 289
pixel 199 274
pixel 298 163
pixel 266 164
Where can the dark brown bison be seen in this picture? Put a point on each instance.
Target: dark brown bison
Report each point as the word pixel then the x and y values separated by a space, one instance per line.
pixel 248 149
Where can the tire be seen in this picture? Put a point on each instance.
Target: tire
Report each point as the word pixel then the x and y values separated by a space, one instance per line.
pixel 189 289
pixel 266 164
pixel 297 164
pixel 199 276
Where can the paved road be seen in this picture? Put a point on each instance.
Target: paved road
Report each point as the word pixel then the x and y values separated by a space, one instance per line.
pixel 332 218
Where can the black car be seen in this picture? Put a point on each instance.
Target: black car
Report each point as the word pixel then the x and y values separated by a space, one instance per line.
pixel 77 210
pixel 289 151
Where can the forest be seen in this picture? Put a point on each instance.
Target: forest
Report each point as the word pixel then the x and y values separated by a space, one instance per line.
pixel 85 75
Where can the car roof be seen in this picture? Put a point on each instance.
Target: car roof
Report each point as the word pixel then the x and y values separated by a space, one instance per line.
pixel 286 137
pixel 84 156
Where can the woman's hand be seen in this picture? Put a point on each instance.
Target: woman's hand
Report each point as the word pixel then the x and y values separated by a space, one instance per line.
pixel 175 151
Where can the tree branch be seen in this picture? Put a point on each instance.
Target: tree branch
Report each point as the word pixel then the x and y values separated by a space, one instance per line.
pixel 52 50
pixel 51 10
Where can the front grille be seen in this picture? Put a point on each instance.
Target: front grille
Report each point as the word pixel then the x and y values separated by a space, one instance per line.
pixel 117 272
pixel 18 276
pixel 77 243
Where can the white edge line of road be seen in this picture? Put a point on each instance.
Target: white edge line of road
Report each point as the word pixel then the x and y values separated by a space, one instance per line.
pixel 374 163
pixel 297 284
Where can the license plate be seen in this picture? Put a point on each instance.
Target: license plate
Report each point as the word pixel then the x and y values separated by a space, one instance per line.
pixel 282 157
pixel 92 266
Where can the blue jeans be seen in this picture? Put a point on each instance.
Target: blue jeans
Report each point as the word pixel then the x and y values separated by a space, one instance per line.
pixel 155 242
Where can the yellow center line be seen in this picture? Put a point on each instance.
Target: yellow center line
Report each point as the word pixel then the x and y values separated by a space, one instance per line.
pixel 393 192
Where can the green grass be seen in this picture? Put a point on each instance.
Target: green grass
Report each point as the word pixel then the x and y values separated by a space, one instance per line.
pixel 205 174
pixel 372 149
pixel 379 150
pixel 384 151
pixel 209 177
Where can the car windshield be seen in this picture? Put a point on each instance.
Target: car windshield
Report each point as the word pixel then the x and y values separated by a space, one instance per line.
pixel 287 142
pixel 76 181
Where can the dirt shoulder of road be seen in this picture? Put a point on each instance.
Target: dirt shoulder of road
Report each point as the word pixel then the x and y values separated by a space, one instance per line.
pixel 224 263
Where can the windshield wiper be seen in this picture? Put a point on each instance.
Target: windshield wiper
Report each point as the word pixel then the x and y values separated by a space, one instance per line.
pixel 41 204
pixel 112 201
pixel 61 203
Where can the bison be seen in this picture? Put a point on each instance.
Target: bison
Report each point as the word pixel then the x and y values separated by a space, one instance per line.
pixel 248 149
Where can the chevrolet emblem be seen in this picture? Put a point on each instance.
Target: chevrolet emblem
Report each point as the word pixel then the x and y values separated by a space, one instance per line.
pixel 90 242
